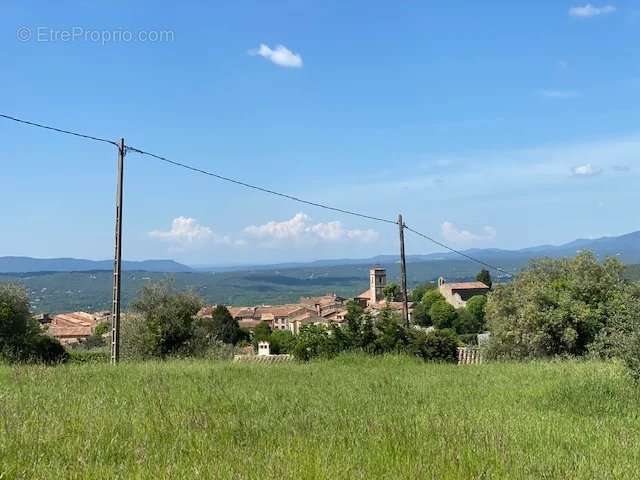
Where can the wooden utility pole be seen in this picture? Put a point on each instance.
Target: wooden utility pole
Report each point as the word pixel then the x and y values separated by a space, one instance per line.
pixel 117 261
pixel 403 274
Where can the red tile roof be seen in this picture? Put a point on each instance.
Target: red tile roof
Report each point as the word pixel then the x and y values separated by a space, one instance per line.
pixel 466 286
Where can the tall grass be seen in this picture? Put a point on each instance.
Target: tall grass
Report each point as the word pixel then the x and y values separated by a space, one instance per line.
pixel 352 417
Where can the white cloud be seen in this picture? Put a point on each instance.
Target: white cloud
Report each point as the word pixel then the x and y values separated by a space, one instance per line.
pixel 559 93
pixel 458 235
pixel 280 55
pixel 301 229
pixel 588 10
pixel 184 229
pixel 187 232
pixel 586 170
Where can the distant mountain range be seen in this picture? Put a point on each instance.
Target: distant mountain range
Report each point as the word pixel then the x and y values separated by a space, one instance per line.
pixel 29 264
pixel 624 247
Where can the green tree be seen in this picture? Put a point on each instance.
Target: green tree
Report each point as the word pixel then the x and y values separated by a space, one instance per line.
pixel 436 345
pixel 168 318
pixel 431 297
pixel 392 292
pixel 223 327
pixel 282 342
pixel 485 277
pixel 261 332
pixel 314 341
pixel 418 292
pixel 421 315
pixel 21 339
pixel 392 337
pixel 465 322
pixel 557 306
pixel 476 307
pixel 442 314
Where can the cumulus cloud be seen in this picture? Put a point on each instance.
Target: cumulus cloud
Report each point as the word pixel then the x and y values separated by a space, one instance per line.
pixel 300 228
pixel 280 55
pixel 586 170
pixel 187 232
pixel 588 10
pixel 458 235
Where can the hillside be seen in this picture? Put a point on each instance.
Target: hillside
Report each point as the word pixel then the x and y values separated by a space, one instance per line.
pixel 65 291
pixel 29 264
pixel 625 247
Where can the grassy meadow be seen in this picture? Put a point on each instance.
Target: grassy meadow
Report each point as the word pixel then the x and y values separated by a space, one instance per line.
pixel 352 417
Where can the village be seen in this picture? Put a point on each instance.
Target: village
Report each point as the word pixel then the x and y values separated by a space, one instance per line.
pixel 74 328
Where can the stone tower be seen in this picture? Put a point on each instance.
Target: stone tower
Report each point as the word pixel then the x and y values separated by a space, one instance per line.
pixel 377 282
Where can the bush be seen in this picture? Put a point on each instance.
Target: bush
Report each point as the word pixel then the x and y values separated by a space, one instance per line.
pixel 314 341
pixel 282 342
pixel 476 307
pixel 262 332
pixel 222 326
pixel 421 315
pixel 436 345
pixel 418 292
pixel 442 314
pixel 560 307
pixel 168 325
pixel 392 336
pixel 96 355
pixel 137 341
pixel 21 338
pixel 620 337
pixel 45 349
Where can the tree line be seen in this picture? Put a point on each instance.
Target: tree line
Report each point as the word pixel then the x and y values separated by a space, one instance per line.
pixel 553 308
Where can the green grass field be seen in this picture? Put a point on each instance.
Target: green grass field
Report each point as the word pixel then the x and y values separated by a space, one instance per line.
pixel 352 418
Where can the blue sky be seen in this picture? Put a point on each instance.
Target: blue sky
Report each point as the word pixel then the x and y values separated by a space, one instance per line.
pixel 487 124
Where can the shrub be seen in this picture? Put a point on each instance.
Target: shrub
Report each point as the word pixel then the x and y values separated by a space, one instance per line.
pixel 314 341
pixel 261 333
pixel 96 355
pixel 282 342
pixel 222 326
pixel 137 340
pixel 418 292
pixel 168 319
pixel 442 314
pixel 436 345
pixel 557 307
pixel 476 306
pixel 45 349
pixel 391 336
pixel 21 339
pixel 421 315
pixel 620 337
pixel 392 292
pixel 470 319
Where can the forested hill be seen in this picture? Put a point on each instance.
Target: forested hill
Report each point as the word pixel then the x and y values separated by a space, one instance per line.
pixel 29 264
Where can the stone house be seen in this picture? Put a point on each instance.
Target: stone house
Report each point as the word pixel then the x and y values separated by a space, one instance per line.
pixel 457 294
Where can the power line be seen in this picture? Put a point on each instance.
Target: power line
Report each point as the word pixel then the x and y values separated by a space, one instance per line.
pixel 59 130
pixel 261 189
pixel 473 259
pixel 254 187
